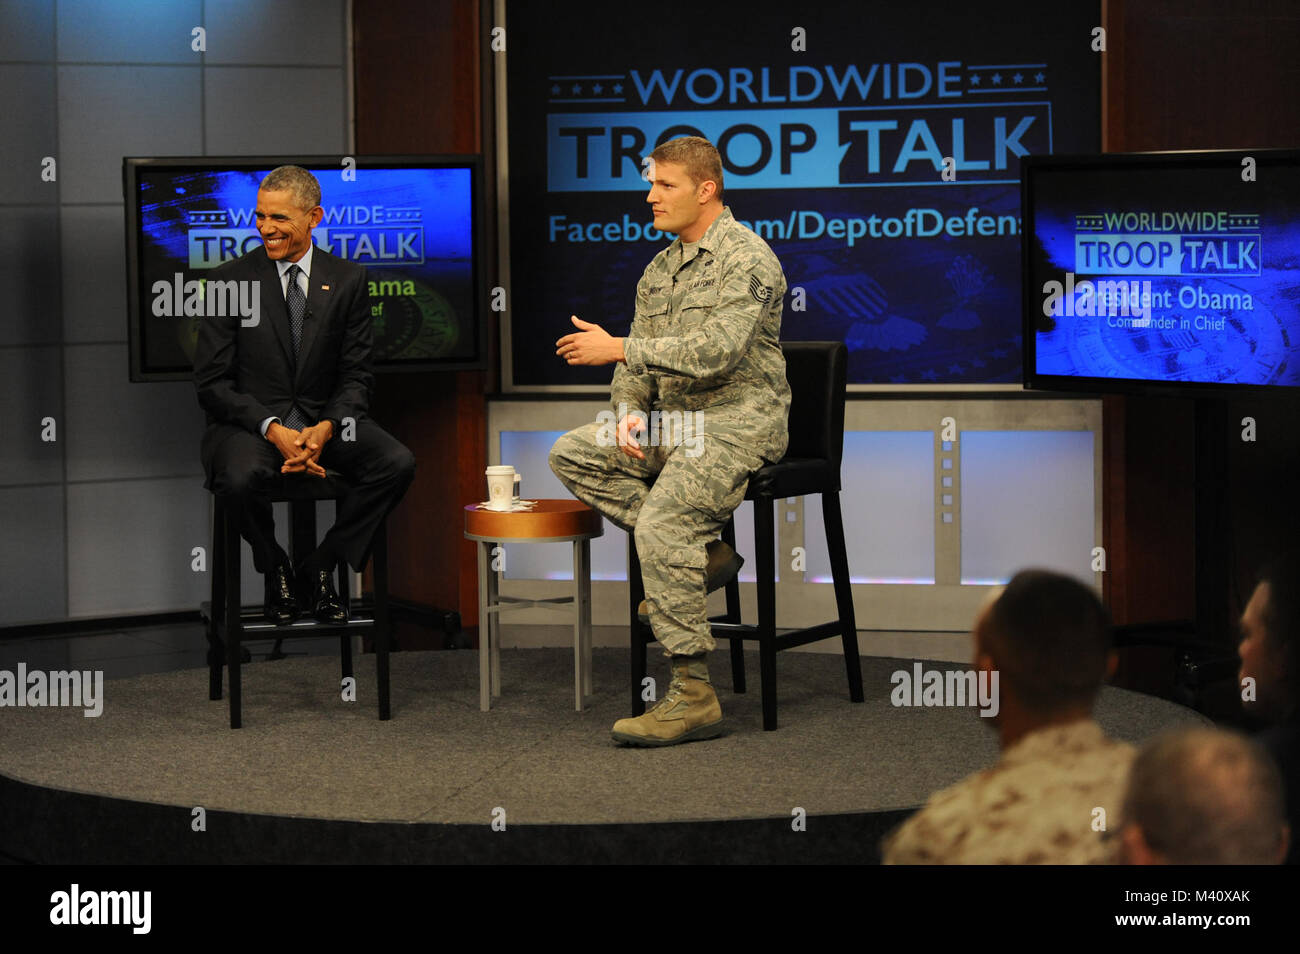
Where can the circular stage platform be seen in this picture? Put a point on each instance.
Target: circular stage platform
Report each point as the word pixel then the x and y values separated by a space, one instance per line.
pixel 314 779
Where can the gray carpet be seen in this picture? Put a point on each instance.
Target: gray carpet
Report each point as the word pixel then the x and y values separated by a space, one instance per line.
pixel 305 753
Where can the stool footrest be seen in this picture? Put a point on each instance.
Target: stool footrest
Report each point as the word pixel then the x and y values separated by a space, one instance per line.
pixel 362 616
pixel 519 602
pixel 797 637
pixel 252 622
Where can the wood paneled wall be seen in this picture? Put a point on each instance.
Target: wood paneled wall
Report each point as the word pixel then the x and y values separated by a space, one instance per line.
pixel 419 89
pixel 1195 74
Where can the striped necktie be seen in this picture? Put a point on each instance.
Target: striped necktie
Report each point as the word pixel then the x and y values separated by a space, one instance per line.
pixel 297 303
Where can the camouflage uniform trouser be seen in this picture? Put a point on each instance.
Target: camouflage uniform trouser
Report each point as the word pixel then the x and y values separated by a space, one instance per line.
pixel 698 484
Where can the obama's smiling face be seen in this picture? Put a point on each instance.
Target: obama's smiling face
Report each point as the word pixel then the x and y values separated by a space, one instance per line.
pixel 285 228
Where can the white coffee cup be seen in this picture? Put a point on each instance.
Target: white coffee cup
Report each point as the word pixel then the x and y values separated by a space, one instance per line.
pixel 501 486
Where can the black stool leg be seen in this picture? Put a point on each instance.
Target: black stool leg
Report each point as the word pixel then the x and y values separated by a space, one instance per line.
pixel 383 624
pixel 233 624
pixel 765 538
pixel 636 593
pixel 843 591
pixel 345 597
pixel 217 601
pixel 732 591
pixel 345 648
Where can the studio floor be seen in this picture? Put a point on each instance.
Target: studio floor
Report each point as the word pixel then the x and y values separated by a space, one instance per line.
pixel 531 762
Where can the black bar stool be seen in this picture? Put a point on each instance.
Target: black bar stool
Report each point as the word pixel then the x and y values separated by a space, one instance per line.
pixel 227 621
pixel 817 372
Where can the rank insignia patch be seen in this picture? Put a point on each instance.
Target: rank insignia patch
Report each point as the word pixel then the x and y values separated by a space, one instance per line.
pixel 762 293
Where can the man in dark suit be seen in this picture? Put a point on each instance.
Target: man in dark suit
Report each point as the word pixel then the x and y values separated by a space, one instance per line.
pixel 288 394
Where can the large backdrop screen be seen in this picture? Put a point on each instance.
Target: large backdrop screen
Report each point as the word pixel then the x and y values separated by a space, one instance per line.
pixel 876 148
pixel 413 223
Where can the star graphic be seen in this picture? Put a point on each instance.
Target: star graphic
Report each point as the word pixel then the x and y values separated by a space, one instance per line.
pixel 618 89
pixel 976 363
pixel 998 353
pixel 597 88
pixel 929 374
pixel 1018 78
pixel 577 88
pixel 997 79
pixel 955 369
pixel 555 89
pixel 1039 77
pixel 897 379
pixel 974 79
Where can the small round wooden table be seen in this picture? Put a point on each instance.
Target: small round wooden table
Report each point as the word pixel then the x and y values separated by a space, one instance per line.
pixel 551 521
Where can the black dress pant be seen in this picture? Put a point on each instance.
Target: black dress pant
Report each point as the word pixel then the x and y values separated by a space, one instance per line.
pixel 378 467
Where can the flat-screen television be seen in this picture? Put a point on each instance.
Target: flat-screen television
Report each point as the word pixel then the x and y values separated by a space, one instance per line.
pixel 1162 272
pixel 414 222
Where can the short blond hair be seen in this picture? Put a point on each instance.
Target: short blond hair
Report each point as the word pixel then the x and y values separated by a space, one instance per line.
pixel 696 155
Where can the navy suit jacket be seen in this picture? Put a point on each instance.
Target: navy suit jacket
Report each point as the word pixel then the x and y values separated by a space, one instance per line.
pixel 246 374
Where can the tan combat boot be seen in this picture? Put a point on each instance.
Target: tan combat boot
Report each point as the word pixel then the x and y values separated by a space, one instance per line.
pixel 688 711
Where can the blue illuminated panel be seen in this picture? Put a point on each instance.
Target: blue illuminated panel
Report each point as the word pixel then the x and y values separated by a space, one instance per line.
pixel 1026 501
pixel 888 505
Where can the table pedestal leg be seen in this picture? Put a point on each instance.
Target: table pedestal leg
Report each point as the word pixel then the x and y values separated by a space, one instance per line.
pixel 486 603
pixel 495 622
pixel 581 622
pixel 586 617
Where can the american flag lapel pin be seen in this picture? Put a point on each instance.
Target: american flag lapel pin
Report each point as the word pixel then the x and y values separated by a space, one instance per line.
pixel 324 288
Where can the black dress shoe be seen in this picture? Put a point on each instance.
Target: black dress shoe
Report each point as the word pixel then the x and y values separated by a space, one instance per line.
pixel 319 597
pixel 280 606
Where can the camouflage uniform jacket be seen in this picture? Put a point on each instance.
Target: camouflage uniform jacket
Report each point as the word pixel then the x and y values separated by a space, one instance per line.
pixel 1035 806
pixel 705 335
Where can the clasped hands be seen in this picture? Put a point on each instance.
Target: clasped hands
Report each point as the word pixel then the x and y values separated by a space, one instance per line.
pixel 301 449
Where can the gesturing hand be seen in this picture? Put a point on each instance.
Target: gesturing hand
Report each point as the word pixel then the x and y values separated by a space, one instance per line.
pixel 591 345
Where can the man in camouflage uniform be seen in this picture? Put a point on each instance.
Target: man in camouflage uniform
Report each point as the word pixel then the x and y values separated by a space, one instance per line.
pixel 703 356
pixel 1048 638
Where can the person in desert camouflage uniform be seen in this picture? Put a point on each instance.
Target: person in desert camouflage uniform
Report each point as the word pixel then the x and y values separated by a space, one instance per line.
pixel 1048 638
pixel 703 354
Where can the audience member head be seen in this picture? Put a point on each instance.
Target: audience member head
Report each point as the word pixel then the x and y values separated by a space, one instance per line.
pixel 1270 641
pixel 1048 638
pixel 1203 796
